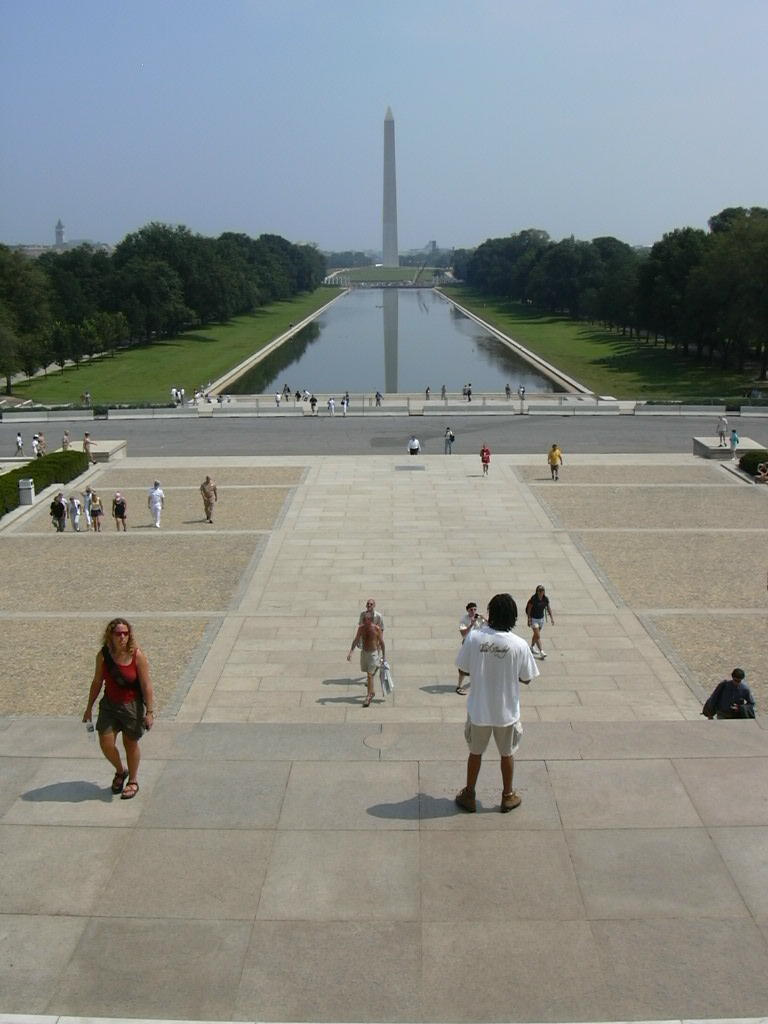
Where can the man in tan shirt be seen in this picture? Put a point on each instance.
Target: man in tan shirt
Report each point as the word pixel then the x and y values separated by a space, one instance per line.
pixel 210 497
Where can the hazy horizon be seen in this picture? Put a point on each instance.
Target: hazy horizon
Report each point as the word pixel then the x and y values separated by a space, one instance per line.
pixel 604 117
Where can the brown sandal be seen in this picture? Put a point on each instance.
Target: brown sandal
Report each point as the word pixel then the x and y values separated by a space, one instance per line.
pixel 133 787
pixel 368 700
pixel 119 781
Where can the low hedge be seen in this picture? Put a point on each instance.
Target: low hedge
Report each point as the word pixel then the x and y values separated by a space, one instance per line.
pixel 749 461
pixel 56 468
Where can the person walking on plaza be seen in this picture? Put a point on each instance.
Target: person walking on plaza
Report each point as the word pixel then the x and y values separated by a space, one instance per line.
pixel 722 432
pixel 66 441
pixel 75 510
pixel 537 610
pixel 88 444
pixel 42 445
pixel 485 458
pixel 120 511
pixel 427 392
pixel 35 447
pixel 448 438
pixel 210 496
pixel 59 512
pixel 731 698
pixel 331 406
pixel 19 445
pixel 555 460
pixel 370 609
pixel 313 404
pixel 413 445
pixel 498 661
pixel 379 397
pixel 97 512
pixel 128 704
pixel 88 507
pixel 471 620
pixel 442 391
pixel 156 502
pixel 371 637
pixel 735 439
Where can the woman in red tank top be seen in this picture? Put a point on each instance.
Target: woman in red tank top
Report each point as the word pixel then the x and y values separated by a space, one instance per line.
pixel 128 704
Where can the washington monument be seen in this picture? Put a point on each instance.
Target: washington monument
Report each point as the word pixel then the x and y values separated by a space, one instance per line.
pixel 390 256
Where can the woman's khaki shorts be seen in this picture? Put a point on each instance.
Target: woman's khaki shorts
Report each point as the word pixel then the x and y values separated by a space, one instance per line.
pixel 507 737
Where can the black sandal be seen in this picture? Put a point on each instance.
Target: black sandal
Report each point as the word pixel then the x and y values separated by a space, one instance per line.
pixel 129 796
pixel 119 781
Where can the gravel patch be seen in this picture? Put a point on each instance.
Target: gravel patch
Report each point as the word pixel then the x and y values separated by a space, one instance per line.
pixel 150 571
pixel 238 508
pixel 682 570
pixel 713 645
pixel 115 478
pixel 48 663
pixel 658 507
pixel 619 474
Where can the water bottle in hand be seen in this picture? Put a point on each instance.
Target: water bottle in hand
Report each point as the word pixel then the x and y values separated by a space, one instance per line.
pixel 90 730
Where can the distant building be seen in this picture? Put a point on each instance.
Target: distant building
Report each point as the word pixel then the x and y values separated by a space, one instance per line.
pixel 59 245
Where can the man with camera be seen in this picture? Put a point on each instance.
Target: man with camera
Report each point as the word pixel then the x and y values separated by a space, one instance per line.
pixel 471 620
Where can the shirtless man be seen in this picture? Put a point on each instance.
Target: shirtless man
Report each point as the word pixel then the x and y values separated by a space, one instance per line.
pixel 88 445
pixel 372 642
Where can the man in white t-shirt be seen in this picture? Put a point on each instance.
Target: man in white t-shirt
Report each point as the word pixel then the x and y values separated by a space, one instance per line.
pixel 156 502
pixel 498 662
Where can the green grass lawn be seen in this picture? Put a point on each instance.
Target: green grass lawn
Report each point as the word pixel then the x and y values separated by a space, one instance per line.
pixel 147 373
pixel 607 363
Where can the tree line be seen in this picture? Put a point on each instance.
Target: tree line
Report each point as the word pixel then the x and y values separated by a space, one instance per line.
pixel 157 282
pixel 702 292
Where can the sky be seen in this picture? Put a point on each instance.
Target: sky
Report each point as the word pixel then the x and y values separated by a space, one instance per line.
pixel 578 117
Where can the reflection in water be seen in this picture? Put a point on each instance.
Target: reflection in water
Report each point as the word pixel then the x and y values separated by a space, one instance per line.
pixel 263 376
pixel 391 336
pixel 425 341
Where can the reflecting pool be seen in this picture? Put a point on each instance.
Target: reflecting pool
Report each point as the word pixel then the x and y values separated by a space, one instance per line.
pixel 391 340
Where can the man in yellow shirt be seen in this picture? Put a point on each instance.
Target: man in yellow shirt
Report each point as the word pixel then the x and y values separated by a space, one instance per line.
pixel 555 460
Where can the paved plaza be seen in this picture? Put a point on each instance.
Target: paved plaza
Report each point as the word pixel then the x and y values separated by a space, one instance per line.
pixel 292 856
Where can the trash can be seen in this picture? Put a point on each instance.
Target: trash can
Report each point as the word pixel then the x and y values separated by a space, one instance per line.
pixel 26 492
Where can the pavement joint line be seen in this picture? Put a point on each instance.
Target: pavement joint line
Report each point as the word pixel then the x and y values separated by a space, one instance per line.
pixel 106 613
pixel 29 1018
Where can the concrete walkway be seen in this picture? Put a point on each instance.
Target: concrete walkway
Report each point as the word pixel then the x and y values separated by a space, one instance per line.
pixel 292 856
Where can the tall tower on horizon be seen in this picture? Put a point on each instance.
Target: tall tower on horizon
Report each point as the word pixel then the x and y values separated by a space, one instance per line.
pixel 390 254
pixel 59 229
